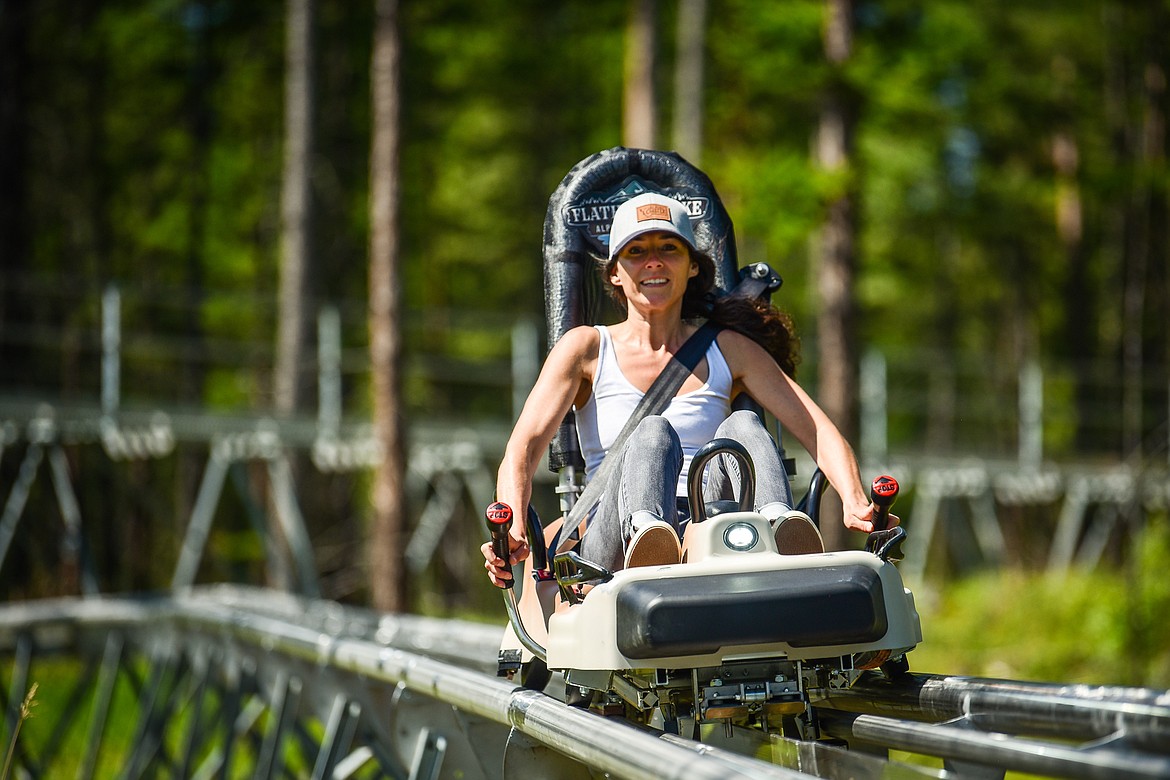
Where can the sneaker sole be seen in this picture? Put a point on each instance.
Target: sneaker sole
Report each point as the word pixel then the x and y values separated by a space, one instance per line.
pixel 797 536
pixel 655 546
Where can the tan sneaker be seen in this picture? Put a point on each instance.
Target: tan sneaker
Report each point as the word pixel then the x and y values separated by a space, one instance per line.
pixel 655 543
pixel 796 534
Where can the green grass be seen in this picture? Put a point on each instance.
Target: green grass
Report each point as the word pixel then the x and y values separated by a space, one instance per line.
pixel 57 678
pixel 1105 627
pixel 26 711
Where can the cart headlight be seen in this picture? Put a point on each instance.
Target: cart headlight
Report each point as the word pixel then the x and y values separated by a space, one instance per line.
pixel 740 537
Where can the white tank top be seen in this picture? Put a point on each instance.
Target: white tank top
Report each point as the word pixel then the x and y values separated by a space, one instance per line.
pixel 695 415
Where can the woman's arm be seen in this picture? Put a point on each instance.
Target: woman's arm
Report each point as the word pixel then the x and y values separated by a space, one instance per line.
pixel 566 378
pixel 757 374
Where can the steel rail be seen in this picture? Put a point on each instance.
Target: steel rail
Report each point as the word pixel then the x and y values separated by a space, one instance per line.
pixel 249 625
pixel 1075 712
pixel 606 745
pixel 357 669
pixel 959 741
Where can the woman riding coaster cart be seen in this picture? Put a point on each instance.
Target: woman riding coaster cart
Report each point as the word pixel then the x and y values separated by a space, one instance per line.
pixel 656 271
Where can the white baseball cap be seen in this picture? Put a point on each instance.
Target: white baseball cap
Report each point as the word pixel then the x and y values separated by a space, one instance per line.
pixel 647 213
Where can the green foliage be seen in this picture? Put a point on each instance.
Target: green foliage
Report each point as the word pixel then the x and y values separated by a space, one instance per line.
pixel 165 118
pixel 26 712
pixel 147 152
pixel 1103 627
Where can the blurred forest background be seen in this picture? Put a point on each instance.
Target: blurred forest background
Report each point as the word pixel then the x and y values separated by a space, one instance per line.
pixel 966 188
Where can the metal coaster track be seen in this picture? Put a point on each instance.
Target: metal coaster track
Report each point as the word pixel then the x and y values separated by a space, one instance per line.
pixel 1091 731
pixel 241 679
pixel 229 681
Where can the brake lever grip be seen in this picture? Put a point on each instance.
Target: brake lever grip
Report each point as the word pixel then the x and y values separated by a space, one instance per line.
pixel 499 520
pixel 883 491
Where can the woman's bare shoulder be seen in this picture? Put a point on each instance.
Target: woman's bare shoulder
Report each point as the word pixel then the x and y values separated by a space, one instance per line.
pixel 578 346
pixel 744 356
pixel 734 344
pixel 582 337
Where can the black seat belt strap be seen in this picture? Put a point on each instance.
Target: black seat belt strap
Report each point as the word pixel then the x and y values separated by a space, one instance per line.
pixel 656 399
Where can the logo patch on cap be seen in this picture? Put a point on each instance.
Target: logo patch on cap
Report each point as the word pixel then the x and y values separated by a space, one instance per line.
pixel 651 211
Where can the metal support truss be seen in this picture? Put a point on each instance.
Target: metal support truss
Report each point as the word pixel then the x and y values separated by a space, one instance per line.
pixel 72 542
pixel 226 681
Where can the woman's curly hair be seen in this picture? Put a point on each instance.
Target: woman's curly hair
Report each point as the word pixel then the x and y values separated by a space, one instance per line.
pixel 759 320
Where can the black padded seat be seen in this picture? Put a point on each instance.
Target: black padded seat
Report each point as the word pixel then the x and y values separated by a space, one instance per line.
pixel 809 607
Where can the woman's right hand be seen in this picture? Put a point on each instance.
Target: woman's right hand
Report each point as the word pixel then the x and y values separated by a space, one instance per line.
pixel 499 571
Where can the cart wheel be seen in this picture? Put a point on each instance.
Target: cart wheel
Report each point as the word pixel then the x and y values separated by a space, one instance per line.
pixel 576 696
pixel 534 675
pixel 895 667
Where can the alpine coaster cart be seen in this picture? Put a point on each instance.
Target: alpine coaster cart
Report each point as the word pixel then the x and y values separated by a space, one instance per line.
pixel 736 634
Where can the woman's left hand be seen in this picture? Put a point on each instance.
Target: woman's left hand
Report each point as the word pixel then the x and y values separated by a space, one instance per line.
pixel 861 517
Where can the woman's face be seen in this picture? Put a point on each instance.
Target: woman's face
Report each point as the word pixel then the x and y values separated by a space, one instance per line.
pixel 653 268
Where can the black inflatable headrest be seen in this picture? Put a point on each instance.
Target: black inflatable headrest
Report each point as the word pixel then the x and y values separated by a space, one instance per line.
pixel 576 227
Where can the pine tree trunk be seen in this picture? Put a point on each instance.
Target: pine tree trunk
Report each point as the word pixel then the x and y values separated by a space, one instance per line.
pixel 388 583
pixel 639 122
pixel 1081 325
pixel 836 340
pixel 295 210
pixel 15 99
pixel 688 79
pixel 293 319
pixel 1138 79
pixel 1154 211
pixel 193 371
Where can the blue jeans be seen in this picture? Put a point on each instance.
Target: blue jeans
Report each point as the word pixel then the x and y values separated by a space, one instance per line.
pixel 647 478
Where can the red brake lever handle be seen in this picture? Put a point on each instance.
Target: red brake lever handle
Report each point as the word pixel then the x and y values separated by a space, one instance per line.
pixel 499 520
pixel 882 493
